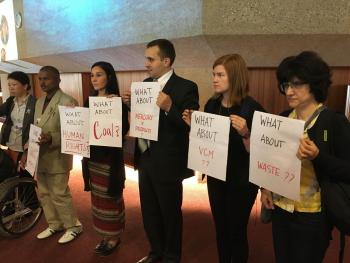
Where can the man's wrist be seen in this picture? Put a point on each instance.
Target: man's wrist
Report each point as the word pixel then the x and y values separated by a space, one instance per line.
pixel 246 135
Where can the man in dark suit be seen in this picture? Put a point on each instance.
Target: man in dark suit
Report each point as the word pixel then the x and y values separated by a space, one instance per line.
pixel 162 164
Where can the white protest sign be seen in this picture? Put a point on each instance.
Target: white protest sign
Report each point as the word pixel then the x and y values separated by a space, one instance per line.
pixel 33 149
pixel 74 130
pixel 105 121
pixel 144 114
pixel 208 147
pixel 274 143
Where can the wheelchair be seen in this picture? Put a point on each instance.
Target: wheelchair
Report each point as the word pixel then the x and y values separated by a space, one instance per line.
pixel 20 208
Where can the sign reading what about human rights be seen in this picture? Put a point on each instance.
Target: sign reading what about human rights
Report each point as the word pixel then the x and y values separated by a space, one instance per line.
pixel 74 130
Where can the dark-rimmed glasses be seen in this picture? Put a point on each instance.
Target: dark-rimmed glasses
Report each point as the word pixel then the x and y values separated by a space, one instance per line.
pixel 292 84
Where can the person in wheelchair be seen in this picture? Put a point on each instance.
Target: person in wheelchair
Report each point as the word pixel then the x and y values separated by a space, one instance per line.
pixel 20 208
pixel 6 166
pixel 19 113
pixel 6 171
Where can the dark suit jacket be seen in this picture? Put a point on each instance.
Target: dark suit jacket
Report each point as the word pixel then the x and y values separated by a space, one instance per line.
pixel 168 155
pixel 333 160
pixel 6 109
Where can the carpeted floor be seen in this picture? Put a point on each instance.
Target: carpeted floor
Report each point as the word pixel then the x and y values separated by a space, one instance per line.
pixel 198 237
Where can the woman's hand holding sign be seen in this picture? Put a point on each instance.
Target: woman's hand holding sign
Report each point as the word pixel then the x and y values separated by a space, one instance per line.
pixel 240 124
pixel 266 199
pixel 307 149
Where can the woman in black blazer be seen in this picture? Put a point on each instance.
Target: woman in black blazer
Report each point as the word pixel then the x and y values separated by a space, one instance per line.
pixel 19 113
pixel 231 201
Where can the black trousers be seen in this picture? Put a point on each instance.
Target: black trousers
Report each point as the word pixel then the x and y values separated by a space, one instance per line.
pixel 231 205
pixel 161 212
pixel 299 237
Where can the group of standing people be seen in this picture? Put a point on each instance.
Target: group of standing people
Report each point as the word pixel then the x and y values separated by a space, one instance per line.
pixel 301 231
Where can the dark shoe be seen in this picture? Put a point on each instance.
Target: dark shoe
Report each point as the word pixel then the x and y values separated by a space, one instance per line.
pixel 107 249
pixel 100 246
pixel 150 259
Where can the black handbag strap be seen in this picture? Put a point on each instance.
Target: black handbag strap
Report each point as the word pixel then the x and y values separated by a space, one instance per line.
pixel 313 116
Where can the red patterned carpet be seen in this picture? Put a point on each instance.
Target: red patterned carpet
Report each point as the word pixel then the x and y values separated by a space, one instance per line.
pixel 198 237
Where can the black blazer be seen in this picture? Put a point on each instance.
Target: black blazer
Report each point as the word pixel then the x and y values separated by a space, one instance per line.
pixel 169 154
pixel 6 109
pixel 237 170
pixel 331 134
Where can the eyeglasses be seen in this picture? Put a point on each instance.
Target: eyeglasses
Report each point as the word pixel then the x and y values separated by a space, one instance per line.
pixel 293 84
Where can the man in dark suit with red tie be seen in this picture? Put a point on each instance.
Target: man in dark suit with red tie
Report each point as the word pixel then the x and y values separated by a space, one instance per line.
pixel 162 164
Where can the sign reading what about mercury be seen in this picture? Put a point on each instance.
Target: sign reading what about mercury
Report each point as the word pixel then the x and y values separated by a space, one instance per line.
pixel 208 147
pixel 144 114
pixel 74 130
pixel 105 121
pixel 274 144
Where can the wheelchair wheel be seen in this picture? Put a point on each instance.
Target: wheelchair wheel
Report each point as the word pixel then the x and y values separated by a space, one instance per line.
pixel 20 209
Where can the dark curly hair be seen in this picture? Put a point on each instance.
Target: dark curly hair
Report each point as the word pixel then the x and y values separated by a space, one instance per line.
pixel 310 68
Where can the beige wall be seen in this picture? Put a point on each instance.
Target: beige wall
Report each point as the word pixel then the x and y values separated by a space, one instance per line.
pixel 263 32
pixel 202 76
pixel 253 17
pixel 4 87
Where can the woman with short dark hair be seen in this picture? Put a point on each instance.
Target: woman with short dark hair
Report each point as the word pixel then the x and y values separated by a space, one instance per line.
pixel 19 112
pixel 104 172
pixel 300 229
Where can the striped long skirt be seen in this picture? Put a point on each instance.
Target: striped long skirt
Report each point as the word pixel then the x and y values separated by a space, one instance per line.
pixel 108 213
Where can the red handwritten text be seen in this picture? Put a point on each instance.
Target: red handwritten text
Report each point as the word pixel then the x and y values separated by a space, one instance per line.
pixel 268 168
pixel 112 131
pixel 73 135
pixel 143 129
pixel 144 117
pixel 77 147
pixel 206 152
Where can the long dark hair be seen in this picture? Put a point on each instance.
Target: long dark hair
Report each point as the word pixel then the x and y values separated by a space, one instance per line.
pixel 112 86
